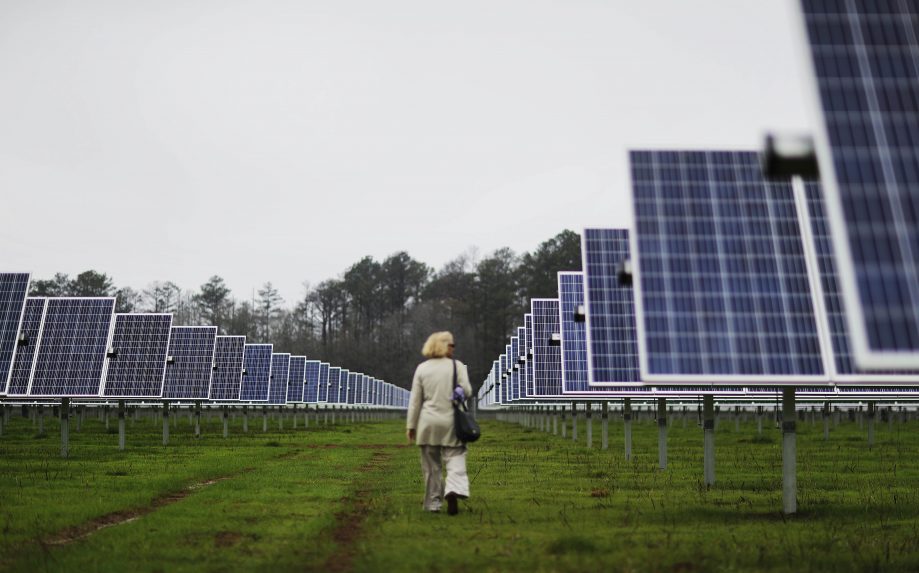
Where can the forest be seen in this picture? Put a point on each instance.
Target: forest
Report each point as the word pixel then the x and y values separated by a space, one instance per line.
pixel 374 317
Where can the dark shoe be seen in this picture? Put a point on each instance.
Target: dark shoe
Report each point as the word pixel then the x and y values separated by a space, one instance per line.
pixel 452 504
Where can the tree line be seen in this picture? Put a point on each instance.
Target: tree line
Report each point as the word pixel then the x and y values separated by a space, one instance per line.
pixel 375 316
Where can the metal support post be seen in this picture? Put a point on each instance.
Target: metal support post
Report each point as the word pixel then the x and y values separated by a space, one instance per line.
pixel 708 438
pixel 590 425
pixel 627 426
pixel 65 427
pixel 789 452
pixel 121 427
pixel 662 433
pixel 604 427
pixel 165 423
pixel 574 421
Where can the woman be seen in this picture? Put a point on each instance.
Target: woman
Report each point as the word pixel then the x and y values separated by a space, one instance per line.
pixel 430 422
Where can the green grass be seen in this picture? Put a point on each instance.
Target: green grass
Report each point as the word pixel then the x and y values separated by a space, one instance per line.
pixel 349 498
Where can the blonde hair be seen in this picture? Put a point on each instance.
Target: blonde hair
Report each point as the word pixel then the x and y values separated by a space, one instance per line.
pixel 437 345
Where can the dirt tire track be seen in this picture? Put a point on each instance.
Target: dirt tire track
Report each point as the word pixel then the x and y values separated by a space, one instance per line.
pixel 349 523
pixel 77 532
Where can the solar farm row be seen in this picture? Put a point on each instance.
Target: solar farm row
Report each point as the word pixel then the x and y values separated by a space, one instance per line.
pixel 737 279
pixel 80 348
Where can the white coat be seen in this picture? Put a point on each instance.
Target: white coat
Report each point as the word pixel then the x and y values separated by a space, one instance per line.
pixel 430 406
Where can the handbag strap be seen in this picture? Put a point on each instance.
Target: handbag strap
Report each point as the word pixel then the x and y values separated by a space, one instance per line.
pixel 455 384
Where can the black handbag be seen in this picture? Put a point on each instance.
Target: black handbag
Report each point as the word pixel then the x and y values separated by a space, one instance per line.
pixel 467 429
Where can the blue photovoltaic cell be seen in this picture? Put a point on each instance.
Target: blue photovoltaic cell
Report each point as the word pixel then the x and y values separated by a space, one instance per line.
pixel 191 350
pixel 547 358
pixel 612 338
pixel 574 334
pixel 343 386
pixel 140 343
pixel 363 389
pixel 71 351
pixel 527 386
pixel 832 295
pixel 295 379
pixel 515 368
pixel 323 390
pixel 29 333
pixel 13 290
pixel 721 275
pixel 334 381
pixel 226 380
pixel 311 381
pixel 865 56
pixel 280 375
pixel 257 375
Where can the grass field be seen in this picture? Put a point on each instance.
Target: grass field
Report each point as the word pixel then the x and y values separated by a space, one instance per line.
pixel 348 498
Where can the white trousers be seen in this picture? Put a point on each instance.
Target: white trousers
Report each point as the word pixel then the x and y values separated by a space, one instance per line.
pixel 433 458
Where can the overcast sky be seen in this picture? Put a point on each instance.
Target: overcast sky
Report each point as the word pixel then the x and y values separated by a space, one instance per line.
pixel 282 141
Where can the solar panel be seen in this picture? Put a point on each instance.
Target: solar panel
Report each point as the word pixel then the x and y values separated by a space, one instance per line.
pixel 343 386
pixel 71 351
pixel 256 373
pixel 364 389
pixel 323 390
pixel 865 62
pixel 191 363
pixel 29 334
pixel 311 381
pixel 296 377
pixel 502 379
pixel 13 290
pixel 573 335
pixel 354 389
pixel 837 326
pixel 226 379
pixel 137 356
pixel 547 358
pixel 280 375
pixel 514 367
pixel 333 384
pixel 612 338
pixel 527 385
pixel 722 285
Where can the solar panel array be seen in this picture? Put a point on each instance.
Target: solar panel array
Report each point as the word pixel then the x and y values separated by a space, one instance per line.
pixel 280 375
pixel 723 290
pixel 229 358
pixel 296 379
pixel 191 362
pixel 547 358
pixel 137 359
pixel 573 333
pixel 612 337
pixel 13 290
pixel 865 63
pixel 256 373
pixel 311 371
pixel 27 344
pixel 78 347
pixel 323 390
pixel 70 359
pixel 333 384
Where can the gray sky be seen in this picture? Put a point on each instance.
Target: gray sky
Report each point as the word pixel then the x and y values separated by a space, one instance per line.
pixel 282 141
